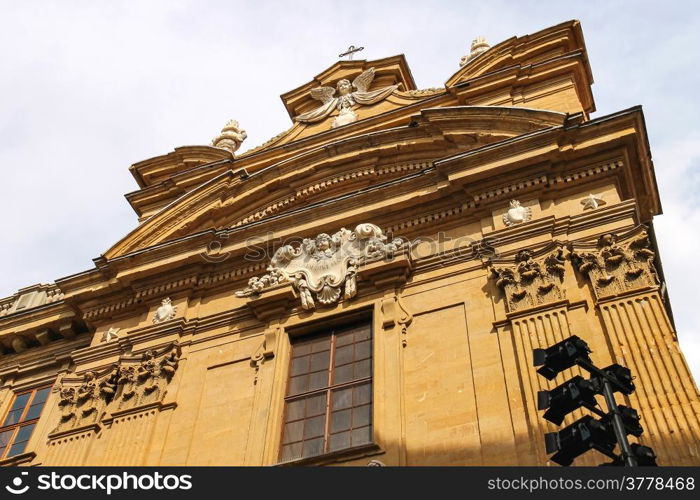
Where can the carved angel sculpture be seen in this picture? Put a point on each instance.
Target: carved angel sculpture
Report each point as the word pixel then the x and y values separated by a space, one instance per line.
pixel 346 99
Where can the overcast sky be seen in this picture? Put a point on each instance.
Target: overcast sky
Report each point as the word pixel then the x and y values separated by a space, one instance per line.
pixel 88 88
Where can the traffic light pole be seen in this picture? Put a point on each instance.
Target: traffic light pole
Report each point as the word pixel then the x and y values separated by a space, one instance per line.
pixel 618 425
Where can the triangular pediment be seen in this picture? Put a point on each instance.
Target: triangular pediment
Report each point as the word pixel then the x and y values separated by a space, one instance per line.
pixel 388 71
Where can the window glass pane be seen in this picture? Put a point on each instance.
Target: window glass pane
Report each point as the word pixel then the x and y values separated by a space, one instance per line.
pixel 315 427
pixel 295 410
pixel 313 447
pixel 343 338
pixel 319 361
pixel 291 451
pixel 21 401
pixel 361 436
pixel 13 417
pixel 340 441
pixel 321 345
pixel 316 405
pixel 343 374
pixel 293 431
pixel 362 333
pixel 361 416
pixel 41 395
pixel 343 355
pixel 340 420
pixel 301 349
pixel 363 369
pixel 21 440
pixel 33 412
pixel 362 394
pixel 319 380
pixel 342 399
pixel 363 350
pixel 300 366
pixel 5 439
pixel 17 408
pixel 297 385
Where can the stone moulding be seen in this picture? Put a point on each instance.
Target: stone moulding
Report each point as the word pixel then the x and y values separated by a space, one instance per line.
pixel 324 269
pixel 617 265
pixel 531 279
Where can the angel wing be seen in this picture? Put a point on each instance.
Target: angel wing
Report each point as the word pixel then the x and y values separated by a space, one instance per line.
pixel 363 81
pixel 323 94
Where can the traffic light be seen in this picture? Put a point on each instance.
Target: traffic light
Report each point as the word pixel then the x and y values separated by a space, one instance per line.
pixel 576 439
pixel 644 456
pixel 588 433
pixel 561 356
pixel 630 420
pixel 567 397
pixel 623 377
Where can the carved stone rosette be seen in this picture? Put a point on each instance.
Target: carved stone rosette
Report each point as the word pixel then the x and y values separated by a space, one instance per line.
pixel 531 281
pixel 324 268
pixel 615 265
pixel 83 399
pixel 143 380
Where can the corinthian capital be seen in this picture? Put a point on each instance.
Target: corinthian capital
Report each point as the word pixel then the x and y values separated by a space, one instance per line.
pixel 531 279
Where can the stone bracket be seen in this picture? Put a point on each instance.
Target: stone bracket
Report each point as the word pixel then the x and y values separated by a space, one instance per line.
pixel 273 302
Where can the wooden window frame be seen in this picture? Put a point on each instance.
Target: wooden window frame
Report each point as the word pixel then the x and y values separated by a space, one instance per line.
pixel 21 423
pixel 331 328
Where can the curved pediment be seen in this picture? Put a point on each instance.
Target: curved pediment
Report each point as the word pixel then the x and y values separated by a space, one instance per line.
pixel 235 198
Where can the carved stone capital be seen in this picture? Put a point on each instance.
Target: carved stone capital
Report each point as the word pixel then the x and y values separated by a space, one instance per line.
pixel 617 264
pixel 324 269
pixel 143 379
pixel 531 279
pixel 83 398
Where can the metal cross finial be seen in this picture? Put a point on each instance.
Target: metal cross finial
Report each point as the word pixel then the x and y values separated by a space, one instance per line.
pixel 351 51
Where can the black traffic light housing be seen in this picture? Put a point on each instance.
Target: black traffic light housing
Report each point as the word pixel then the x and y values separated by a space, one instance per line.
pixel 560 356
pixel 587 432
pixel 576 439
pixel 569 396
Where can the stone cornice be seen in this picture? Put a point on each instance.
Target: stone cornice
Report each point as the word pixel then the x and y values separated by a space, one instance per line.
pixel 567 165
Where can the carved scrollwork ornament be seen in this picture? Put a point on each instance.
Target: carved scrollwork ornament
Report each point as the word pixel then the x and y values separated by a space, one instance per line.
pixel 531 281
pixel 324 269
pixel 265 351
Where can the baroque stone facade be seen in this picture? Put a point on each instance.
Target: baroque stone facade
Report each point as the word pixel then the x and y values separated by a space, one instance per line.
pixel 439 235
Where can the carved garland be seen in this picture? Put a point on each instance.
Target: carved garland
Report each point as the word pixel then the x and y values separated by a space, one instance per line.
pixel 324 268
